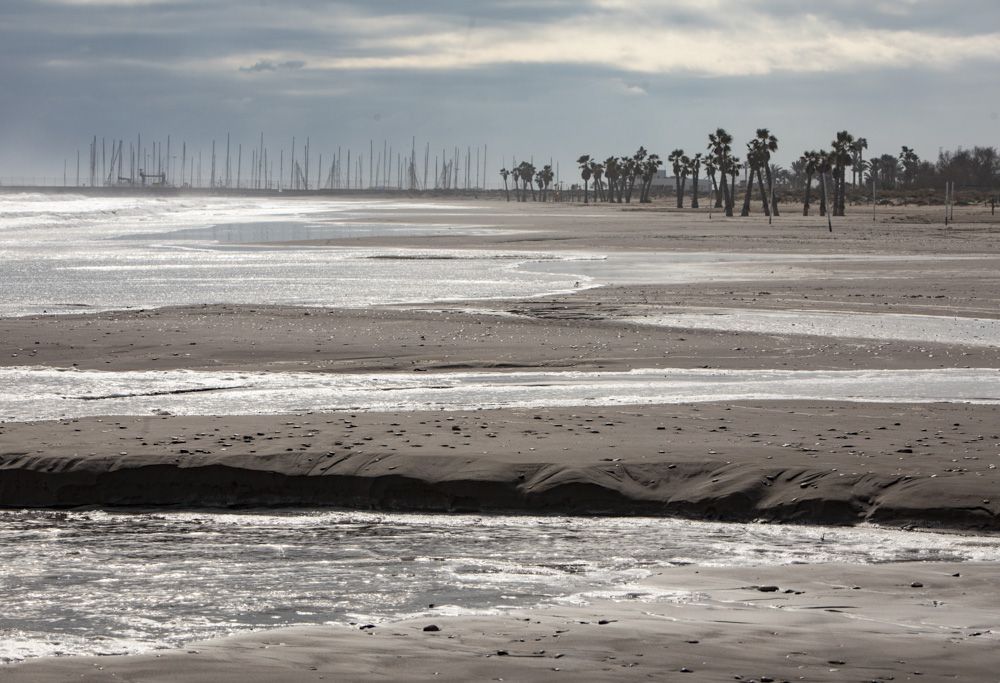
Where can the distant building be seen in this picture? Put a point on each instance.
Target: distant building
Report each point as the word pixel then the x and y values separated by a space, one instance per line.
pixel 661 179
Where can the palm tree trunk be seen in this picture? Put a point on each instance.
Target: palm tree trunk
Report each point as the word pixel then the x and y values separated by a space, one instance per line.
pixel 505 188
pixel 748 197
pixel 731 197
pixel 586 199
pixel 822 195
pixel 770 188
pixel 843 192
pixel 716 191
pixel 763 193
pixel 631 187
pixel 677 192
pixel 835 203
pixel 805 204
pixel 694 190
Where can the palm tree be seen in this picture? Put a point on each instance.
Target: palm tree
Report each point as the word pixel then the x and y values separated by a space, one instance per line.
pixel 769 144
pixel 910 161
pixel 888 170
pixel 809 165
pixel 753 168
pixel 873 170
pixel 649 168
pixel 720 145
pixel 841 159
pixel 695 168
pixel 526 170
pixel 597 171
pixel 824 163
pixel 585 173
pixel 710 170
pixel 734 172
pixel 504 173
pixel 612 171
pixel 676 160
pixel 635 170
pixel 824 166
pixel 547 176
pixel 625 172
pixel 857 154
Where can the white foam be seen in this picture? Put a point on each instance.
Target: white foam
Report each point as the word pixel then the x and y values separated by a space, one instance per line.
pixel 40 393
pixel 115 582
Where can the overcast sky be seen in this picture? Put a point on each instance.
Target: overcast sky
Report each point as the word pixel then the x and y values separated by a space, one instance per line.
pixel 548 78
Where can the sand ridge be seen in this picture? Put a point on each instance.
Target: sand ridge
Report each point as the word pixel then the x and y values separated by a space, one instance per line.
pixel 931 465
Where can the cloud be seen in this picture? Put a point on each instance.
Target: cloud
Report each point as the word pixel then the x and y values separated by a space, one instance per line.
pixel 268 65
pixel 747 44
pixel 709 38
pixel 628 88
pixel 624 72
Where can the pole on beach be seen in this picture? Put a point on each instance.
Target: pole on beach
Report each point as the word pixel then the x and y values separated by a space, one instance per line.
pixel 829 220
pixel 947 189
pixel 770 211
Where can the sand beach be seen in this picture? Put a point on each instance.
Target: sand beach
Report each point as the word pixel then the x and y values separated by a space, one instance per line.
pixel 910 465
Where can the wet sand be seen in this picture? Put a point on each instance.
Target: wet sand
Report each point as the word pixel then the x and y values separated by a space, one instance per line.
pixel 625 227
pixel 902 622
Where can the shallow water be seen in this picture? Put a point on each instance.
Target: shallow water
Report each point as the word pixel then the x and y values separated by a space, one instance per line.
pixel 114 583
pixel 879 326
pixel 65 253
pixel 48 393
pixel 62 254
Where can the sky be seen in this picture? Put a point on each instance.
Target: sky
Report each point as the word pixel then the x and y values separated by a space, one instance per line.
pixel 545 79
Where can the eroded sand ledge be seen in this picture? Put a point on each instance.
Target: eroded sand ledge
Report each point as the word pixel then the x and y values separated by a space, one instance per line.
pixel 926 465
